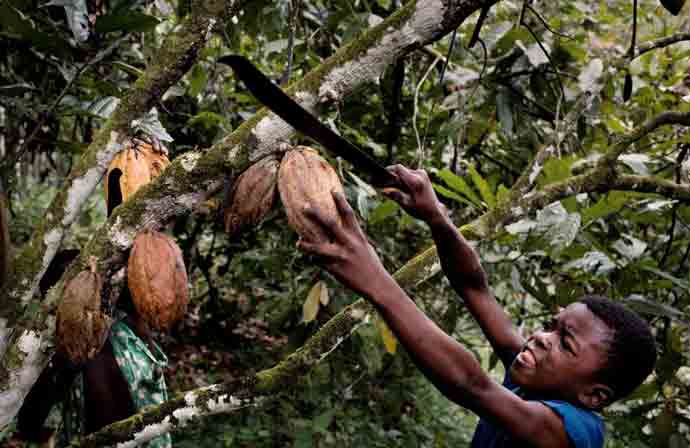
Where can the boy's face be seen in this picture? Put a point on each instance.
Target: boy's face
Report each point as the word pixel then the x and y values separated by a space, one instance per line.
pixel 561 361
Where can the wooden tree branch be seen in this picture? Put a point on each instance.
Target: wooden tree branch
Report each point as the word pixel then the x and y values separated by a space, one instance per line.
pixel 171 63
pixel 664 118
pixel 660 43
pixel 192 177
pixel 228 397
pixel 25 341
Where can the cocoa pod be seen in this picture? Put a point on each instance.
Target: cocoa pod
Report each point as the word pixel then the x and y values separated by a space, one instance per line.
pixel 305 178
pixel 251 197
pixel 132 168
pixel 81 327
pixel 157 279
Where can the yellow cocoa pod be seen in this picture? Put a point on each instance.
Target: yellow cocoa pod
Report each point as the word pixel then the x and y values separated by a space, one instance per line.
pixel 306 179
pixel 132 168
pixel 157 279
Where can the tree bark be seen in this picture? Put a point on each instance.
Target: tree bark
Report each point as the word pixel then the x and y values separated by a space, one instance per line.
pixel 25 334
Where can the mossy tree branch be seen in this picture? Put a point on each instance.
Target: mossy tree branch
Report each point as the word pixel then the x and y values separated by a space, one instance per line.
pixel 173 60
pixel 229 397
pixel 25 336
pixel 192 177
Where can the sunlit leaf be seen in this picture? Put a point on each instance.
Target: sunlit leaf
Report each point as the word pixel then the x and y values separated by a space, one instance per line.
pixel 77 17
pixel 317 295
pixel 482 186
pixel 458 184
pixel 389 339
pixel 590 75
pixel 443 191
pixel 594 262
pixel 151 125
pixel 630 247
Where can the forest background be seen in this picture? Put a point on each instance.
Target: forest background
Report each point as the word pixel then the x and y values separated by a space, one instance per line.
pixel 558 142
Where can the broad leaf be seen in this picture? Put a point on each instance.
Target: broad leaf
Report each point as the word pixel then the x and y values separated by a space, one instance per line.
pixel 389 339
pixel 318 294
pixel 458 184
pixel 482 186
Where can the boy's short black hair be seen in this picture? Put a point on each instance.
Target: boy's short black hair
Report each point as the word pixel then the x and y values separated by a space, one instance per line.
pixel 631 352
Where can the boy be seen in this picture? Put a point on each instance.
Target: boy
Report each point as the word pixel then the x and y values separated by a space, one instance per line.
pixel 592 353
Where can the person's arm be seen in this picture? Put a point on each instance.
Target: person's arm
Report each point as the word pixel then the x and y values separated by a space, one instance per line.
pixel 451 367
pixel 459 260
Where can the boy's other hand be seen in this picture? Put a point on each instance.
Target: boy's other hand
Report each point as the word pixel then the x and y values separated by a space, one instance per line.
pixel 348 255
pixel 415 193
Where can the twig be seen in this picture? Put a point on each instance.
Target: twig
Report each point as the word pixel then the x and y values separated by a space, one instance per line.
pixel 674 216
pixel 293 7
pixel 420 149
pixel 394 120
pixel 546 25
pixel 548 57
pixel 660 43
pixel 478 26
pixel 664 118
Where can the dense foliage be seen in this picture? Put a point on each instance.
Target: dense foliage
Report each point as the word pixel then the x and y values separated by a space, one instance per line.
pixel 474 122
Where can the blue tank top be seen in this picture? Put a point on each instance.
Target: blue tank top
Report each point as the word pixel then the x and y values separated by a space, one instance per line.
pixel 585 428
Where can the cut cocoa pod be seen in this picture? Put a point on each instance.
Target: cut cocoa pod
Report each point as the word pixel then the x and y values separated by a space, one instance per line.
pixel 251 197
pixel 132 168
pixel 306 179
pixel 81 327
pixel 157 279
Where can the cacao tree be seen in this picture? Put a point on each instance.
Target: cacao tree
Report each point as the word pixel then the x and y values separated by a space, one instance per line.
pixel 559 148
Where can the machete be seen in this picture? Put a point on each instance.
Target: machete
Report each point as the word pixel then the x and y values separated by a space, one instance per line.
pixel 299 118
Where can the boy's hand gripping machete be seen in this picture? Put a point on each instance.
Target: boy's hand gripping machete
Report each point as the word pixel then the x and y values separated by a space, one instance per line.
pixel 299 118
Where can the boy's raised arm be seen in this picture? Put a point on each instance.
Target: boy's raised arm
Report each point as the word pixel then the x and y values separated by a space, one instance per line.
pixel 459 260
pixel 451 367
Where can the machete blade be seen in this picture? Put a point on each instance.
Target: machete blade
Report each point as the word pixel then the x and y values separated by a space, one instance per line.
pixel 271 96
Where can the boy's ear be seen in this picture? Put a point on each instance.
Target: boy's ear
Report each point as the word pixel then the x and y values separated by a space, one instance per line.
pixel 596 396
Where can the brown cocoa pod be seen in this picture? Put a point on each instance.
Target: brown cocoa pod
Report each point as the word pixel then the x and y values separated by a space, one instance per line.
pixel 251 197
pixel 157 279
pixel 81 327
pixel 138 164
pixel 306 179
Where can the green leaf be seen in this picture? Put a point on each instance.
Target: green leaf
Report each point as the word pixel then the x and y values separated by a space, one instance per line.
pixel 610 203
pixel 126 20
pixel 443 191
pixel 483 186
pixel 323 421
pixel 458 184
pixel 646 306
pixel 198 78
pixel 675 280
pixel 384 210
pixel 132 70
pixel 556 169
